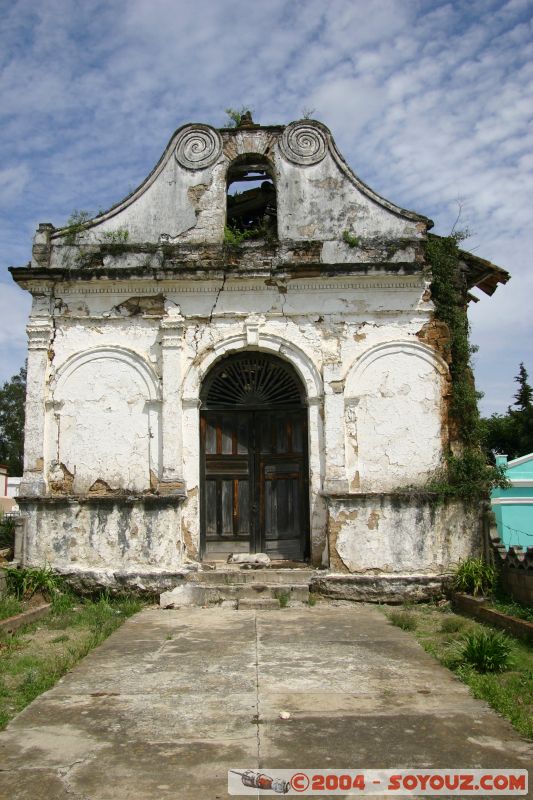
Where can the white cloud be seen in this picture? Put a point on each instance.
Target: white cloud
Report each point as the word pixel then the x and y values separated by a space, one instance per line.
pixel 14 309
pixel 13 181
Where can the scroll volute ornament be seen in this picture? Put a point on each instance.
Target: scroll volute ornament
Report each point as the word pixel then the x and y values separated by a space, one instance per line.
pixel 198 146
pixel 304 142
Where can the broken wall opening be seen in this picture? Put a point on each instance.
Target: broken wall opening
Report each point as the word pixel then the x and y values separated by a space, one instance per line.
pixel 251 202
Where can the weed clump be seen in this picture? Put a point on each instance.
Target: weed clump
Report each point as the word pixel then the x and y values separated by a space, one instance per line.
pixel 283 598
pixel 24 583
pixel 486 650
pixel 403 620
pixel 474 577
pixel 451 625
pixel 75 225
pixel 350 239
pixel 234 236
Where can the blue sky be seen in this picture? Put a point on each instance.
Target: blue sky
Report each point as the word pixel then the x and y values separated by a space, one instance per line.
pixel 430 103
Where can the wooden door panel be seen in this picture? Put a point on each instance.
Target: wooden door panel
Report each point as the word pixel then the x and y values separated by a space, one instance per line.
pixel 210 505
pixel 254 482
pixel 229 466
pixel 282 499
pixel 226 474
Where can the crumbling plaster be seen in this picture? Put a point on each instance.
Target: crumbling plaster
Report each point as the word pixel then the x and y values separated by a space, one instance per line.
pixel 123 331
pixel 106 534
pixel 104 403
pixel 184 198
pixel 397 534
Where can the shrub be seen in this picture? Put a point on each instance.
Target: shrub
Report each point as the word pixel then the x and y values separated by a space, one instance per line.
pixel 486 650
pixel 235 236
pixel 475 577
pixel 403 620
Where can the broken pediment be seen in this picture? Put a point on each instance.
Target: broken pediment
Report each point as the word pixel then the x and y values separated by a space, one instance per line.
pixel 299 188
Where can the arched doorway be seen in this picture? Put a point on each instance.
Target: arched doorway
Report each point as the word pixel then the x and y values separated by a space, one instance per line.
pixel 251 210
pixel 254 462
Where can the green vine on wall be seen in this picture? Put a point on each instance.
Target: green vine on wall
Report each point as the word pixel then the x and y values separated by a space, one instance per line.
pixel 448 292
pixel 468 474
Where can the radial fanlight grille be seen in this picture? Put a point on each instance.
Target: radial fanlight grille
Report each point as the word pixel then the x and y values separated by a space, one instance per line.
pixel 252 380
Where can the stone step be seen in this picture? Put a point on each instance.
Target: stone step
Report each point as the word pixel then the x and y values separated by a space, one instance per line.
pixel 292 577
pixel 262 604
pixel 198 594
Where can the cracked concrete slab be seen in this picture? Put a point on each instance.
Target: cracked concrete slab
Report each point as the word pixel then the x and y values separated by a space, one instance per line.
pixel 175 698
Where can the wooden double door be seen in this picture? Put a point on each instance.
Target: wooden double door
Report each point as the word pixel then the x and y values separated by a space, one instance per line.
pixel 254 483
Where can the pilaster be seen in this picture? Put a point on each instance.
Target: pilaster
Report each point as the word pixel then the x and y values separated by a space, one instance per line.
pixel 172 481
pixel 335 481
pixel 39 340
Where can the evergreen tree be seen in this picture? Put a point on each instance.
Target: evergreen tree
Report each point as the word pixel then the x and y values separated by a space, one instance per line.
pixel 512 433
pixel 524 395
pixel 12 400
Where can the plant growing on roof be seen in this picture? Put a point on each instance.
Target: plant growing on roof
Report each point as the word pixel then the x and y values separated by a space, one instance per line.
pixel 120 236
pixel 75 225
pixel 350 239
pixel 234 116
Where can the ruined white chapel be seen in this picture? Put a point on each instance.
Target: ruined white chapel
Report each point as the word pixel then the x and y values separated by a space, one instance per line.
pixel 241 356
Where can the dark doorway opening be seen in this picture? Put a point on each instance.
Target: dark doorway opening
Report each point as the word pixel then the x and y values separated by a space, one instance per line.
pixel 254 461
pixel 251 199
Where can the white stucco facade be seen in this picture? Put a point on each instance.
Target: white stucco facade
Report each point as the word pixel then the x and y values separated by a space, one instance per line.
pixel 131 312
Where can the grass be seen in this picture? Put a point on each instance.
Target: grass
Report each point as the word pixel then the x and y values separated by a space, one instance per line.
pixel 9 606
pixel 508 606
pixel 445 636
pixel 283 598
pixel 36 656
pixel 403 619
pixel 23 583
pixel 451 624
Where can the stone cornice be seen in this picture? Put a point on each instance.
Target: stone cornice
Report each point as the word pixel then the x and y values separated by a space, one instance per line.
pixel 209 286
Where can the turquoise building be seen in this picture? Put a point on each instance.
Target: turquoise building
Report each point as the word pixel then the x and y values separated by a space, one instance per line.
pixel 513 507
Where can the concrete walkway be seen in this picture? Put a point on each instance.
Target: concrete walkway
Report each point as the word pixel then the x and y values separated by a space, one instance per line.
pixel 174 698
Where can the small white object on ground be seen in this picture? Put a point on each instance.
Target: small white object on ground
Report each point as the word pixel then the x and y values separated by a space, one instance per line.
pixel 284 714
pixel 261 559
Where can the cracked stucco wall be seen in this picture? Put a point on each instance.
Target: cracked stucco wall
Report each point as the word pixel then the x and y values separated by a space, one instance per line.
pixel 122 333
pixel 400 535
pixel 105 535
pixel 184 198
pixel 104 405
